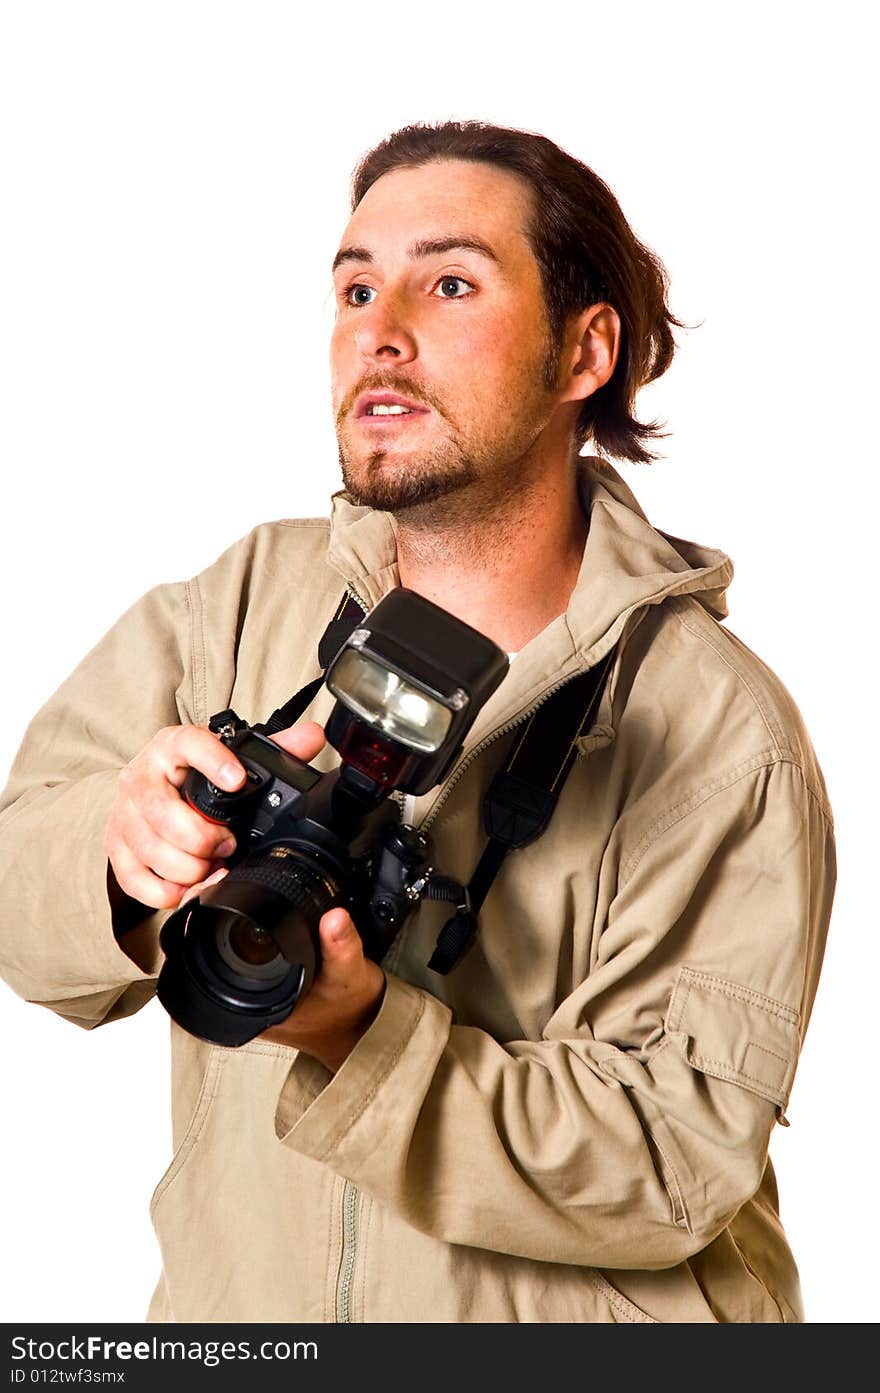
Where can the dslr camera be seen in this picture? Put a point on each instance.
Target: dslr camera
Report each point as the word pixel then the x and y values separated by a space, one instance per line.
pixel 408 685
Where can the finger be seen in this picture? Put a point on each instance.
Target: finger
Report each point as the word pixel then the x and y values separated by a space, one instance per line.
pixel 174 821
pixel 194 890
pixel 158 855
pixel 140 883
pixel 181 748
pixel 304 740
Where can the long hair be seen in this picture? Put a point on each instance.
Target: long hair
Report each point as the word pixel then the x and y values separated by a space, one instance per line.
pixel 586 252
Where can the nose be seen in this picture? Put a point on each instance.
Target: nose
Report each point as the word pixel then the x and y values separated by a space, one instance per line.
pixel 383 334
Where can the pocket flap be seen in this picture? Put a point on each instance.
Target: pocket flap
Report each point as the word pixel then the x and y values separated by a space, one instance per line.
pixel 735 1033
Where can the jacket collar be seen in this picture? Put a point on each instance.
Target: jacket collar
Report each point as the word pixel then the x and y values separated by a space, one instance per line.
pixel 627 566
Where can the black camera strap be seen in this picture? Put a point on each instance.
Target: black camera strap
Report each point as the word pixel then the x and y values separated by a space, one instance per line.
pixel 523 794
pixel 343 624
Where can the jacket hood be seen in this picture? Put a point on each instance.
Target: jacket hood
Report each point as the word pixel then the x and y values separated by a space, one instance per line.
pixel 627 565
pixel 648 563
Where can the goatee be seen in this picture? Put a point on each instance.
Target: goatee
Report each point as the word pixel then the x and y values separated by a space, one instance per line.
pixel 411 487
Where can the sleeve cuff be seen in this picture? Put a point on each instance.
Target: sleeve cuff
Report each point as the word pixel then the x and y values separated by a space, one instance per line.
pixel 317 1110
pixel 60 891
pixel 108 961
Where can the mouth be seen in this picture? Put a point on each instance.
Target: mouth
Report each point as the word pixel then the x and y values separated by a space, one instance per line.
pixel 386 408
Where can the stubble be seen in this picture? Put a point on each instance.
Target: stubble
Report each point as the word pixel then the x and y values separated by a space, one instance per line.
pixel 461 480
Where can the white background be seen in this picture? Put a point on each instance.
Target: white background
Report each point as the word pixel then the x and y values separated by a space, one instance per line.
pixel 174 181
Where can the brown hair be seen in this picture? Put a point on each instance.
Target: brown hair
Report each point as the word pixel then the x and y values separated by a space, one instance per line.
pixel 586 251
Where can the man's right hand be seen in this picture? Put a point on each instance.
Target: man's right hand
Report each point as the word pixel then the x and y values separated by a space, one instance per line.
pixel 156 844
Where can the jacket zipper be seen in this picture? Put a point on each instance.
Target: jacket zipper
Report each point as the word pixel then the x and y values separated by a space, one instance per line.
pixel 632 622
pixel 484 744
pixel 359 599
pixel 349 1247
pixel 350 1193
pixel 393 956
pixel 431 815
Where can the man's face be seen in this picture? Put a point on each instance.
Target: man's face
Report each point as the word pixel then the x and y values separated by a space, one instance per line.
pixel 440 348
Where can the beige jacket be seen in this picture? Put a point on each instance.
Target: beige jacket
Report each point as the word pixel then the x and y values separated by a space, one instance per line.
pixel 572 1126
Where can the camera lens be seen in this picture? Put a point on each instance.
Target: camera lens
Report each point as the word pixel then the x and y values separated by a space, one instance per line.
pixel 249 950
pixel 239 957
pixel 252 944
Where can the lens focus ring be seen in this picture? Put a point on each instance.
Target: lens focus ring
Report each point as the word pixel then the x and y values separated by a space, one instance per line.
pixel 290 875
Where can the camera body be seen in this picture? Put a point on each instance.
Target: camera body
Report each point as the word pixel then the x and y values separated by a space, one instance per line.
pixel 306 842
pixel 409 683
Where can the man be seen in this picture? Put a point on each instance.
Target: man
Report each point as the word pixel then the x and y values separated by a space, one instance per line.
pixel 573 1124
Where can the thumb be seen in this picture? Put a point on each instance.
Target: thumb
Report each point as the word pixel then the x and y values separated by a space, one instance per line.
pixel 340 941
pixel 304 740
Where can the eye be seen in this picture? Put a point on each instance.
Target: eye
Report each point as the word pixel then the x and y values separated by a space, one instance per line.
pixel 453 288
pixel 359 294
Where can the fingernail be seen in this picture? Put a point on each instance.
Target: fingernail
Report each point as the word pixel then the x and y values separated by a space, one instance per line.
pixel 226 848
pixel 340 928
pixel 230 775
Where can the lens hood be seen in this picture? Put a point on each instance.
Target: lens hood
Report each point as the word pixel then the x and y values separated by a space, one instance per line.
pixel 204 996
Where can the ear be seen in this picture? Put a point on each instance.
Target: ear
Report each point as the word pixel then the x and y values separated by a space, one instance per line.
pixel 592 344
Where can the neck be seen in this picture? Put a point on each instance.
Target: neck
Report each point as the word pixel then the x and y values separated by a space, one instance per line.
pixel 506 567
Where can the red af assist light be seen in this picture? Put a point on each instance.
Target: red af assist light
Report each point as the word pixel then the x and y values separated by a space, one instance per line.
pixel 381 760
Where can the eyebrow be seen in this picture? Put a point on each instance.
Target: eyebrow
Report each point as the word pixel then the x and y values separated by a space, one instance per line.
pixel 431 246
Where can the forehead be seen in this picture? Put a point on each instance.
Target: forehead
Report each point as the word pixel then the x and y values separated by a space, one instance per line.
pixel 440 199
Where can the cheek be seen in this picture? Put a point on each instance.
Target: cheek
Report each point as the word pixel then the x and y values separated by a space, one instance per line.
pixel 337 344
pixel 500 361
pixel 474 354
pixel 483 335
pixel 341 352
pixel 506 343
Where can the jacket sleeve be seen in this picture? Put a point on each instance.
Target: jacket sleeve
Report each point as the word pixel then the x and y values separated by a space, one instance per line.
pixel 633 1131
pixel 57 945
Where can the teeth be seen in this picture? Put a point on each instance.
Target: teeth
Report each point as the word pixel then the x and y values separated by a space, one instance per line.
pixel 379 409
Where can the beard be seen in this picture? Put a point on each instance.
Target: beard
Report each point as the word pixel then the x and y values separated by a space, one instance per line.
pixel 411 486
pixel 463 472
pixel 376 481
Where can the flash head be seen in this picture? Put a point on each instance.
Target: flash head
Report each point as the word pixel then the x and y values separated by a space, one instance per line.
pixel 409 683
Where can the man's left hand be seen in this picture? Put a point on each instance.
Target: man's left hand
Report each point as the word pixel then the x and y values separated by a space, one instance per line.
pixel 343 1001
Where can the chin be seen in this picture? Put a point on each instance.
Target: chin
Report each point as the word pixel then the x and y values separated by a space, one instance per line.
pixel 395 486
